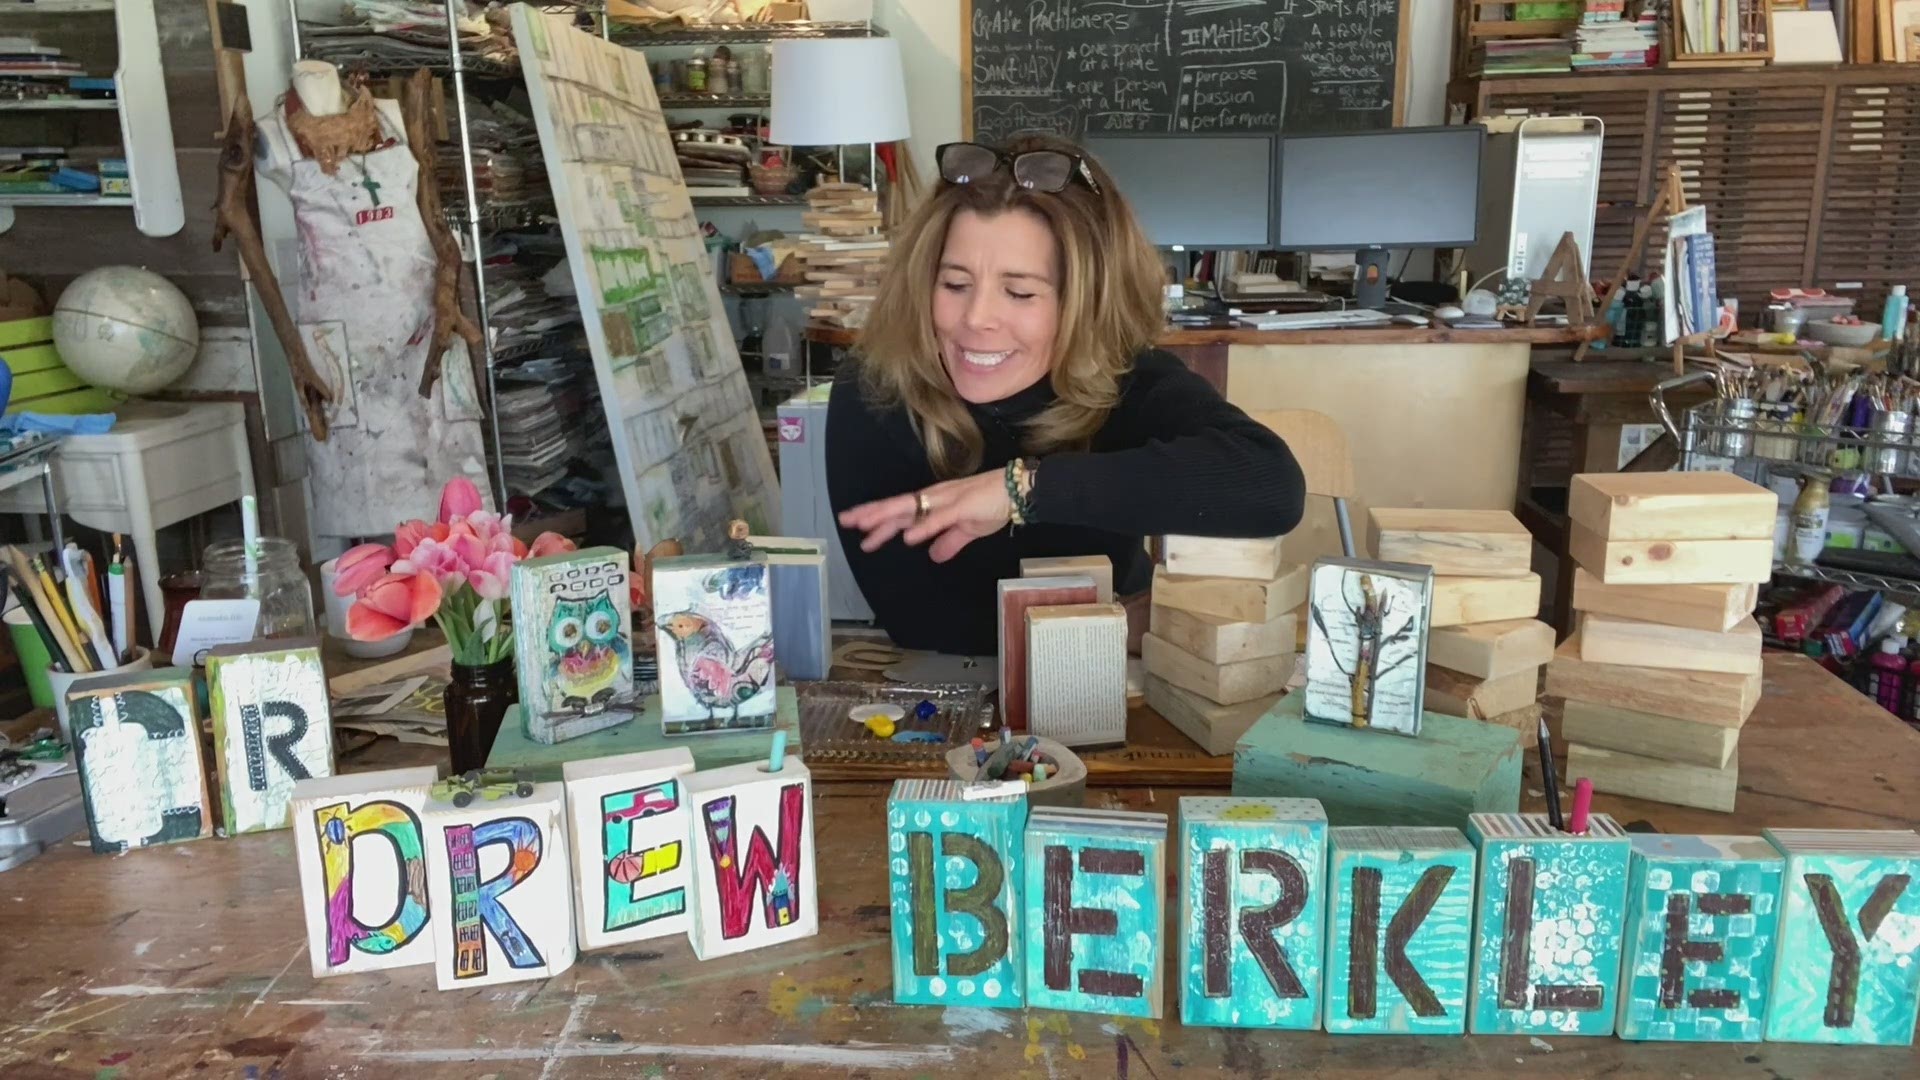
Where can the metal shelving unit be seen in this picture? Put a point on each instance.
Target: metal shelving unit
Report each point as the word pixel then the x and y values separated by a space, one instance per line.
pixel 58 104
pixel 739 34
pixel 746 200
pixel 687 100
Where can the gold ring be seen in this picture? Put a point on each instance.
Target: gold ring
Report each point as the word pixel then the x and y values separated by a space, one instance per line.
pixel 922 506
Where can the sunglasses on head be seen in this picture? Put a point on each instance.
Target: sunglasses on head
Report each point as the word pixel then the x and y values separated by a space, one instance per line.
pixel 1046 171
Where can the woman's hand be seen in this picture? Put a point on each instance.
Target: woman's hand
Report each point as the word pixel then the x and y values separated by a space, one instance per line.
pixel 958 512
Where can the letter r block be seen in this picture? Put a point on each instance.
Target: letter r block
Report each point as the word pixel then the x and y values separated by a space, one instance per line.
pixel 954 874
pixel 1399 930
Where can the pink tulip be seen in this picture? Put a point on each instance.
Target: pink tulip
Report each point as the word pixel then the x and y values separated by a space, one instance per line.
pixel 550 543
pixel 437 558
pixel 360 567
pixel 391 604
pixel 492 577
pixel 469 549
pixel 458 499
pixel 407 535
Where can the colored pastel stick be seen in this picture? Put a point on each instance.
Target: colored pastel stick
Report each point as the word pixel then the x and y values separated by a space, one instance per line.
pixel 954 887
pixel 1399 930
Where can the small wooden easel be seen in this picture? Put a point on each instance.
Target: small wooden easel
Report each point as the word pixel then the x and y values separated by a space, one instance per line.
pixel 1672 199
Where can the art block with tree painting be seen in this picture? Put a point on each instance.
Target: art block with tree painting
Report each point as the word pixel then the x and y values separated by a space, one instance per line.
pixel 1367 644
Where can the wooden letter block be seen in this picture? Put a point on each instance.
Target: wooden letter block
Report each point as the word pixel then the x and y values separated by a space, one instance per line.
pixel 1546 958
pixel 366 904
pixel 1672 506
pixel 1467 543
pixel 1491 650
pixel 1647 735
pixel 1218 641
pixel 1455 694
pixel 1709 787
pixel 1702 607
pixel 1458 601
pixel 754 872
pixel 1232 599
pixel 1094 890
pixel 1605 639
pixel 499 874
pixel 1250 903
pixel 571 654
pixel 1016 596
pixel 272 727
pixel 1097 567
pixel 715 642
pixel 1077 673
pixel 1849 922
pixel 1227 684
pixel 136 745
pixel 1670 562
pixel 954 885
pixel 630 822
pixel 1210 556
pixel 1400 931
pixel 797 589
pixel 1703 918
pixel 1215 727
pixel 1709 697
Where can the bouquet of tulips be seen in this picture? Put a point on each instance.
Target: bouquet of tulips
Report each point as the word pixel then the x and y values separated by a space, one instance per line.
pixel 456 570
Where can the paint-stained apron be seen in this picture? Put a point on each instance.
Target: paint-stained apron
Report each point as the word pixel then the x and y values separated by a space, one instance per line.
pixel 366 312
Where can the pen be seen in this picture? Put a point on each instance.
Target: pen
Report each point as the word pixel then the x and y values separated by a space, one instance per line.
pixel 1547 776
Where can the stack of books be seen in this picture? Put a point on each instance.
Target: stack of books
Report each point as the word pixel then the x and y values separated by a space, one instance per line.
pixel 1526 56
pixel 1605 38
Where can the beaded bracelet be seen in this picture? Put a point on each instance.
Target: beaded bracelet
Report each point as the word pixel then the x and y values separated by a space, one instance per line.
pixel 1019 477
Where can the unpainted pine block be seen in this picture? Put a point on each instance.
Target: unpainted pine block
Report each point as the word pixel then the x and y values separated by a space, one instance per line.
pixel 1460 601
pixel 1094 894
pixel 1465 543
pixel 272 727
pixel 1846 971
pixel 500 875
pixel 1670 562
pixel 136 746
pixel 1219 641
pixel 1233 599
pixel 1454 768
pixel 1672 506
pixel 366 903
pixel 1077 673
pixel 1551 912
pixel 1455 694
pixel 1215 727
pixel 1227 684
pixel 1646 735
pixel 954 885
pixel 1703 920
pixel 1702 607
pixel 1709 697
pixel 1606 639
pixel 1211 556
pixel 1251 871
pixel 1016 595
pixel 1708 787
pixel 571 654
pixel 754 874
pixel 1399 931
pixel 1097 567
pixel 1525 720
pixel 632 872
pixel 1491 650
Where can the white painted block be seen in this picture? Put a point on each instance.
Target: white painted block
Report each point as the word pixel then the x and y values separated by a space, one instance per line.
pixel 272 727
pixel 500 879
pixel 628 819
pixel 753 859
pixel 363 874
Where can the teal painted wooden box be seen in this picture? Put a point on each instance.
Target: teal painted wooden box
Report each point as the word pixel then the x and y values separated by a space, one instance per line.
pixel 1702 921
pixel 1551 911
pixel 1456 767
pixel 954 887
pixel 513 749
pixel 1399 930
pixel 1094 889
pixel 1847 970
pixel 1251 910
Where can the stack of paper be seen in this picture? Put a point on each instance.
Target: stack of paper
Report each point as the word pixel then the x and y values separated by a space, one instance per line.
pixel 1605 40
pixel 1521 56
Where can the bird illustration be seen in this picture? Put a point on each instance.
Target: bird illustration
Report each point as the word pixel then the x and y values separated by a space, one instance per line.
pixel 589 651
pixel 718 675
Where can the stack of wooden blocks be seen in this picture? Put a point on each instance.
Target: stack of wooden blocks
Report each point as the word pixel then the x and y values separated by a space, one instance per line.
pixel 844 252
pixel 1485 648
pixel 1224 628
pixel 1665 666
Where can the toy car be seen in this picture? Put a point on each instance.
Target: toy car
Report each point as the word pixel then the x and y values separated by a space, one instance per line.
pixel 485 784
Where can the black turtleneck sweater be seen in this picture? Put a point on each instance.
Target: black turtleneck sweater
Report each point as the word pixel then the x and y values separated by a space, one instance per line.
pixel 1172 457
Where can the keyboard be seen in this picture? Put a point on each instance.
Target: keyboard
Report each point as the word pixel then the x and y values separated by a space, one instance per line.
pixel 1314 320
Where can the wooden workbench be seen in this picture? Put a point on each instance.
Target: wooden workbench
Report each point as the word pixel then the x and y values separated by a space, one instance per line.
pixel 191 961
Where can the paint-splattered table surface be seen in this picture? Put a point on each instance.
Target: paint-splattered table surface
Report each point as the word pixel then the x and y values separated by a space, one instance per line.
pixel 190 961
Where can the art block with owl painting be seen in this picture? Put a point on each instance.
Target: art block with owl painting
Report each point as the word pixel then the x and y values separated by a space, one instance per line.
pixel 714 616
pixel 572 654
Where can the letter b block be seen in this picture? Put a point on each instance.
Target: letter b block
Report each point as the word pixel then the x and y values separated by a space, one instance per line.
pixel 1546 953
pixel 954 872
pixel 1846 970
pixel 1251 911
pixel 1400 930
pixel 1093 886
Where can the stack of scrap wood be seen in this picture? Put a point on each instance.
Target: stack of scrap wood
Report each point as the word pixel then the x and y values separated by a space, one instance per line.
pixel 844 252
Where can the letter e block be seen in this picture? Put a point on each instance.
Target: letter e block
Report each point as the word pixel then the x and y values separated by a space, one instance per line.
pixel 1094 890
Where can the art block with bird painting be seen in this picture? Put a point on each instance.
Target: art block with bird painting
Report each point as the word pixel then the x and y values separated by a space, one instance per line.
pixel 572 655
pixel 714 618
pixel 1367 644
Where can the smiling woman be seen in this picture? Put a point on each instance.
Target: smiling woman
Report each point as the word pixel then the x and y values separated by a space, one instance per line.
pixel 1007 403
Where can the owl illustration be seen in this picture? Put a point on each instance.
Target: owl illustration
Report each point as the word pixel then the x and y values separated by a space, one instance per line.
pixel 590 651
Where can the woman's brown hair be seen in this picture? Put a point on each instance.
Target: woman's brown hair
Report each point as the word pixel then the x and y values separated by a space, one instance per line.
pixel 1110 310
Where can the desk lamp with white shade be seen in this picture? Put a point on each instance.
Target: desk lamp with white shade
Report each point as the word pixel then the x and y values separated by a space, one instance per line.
pixel 838 91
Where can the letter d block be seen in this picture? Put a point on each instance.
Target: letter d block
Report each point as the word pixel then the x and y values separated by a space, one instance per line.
pixel 1847 969
pixel 1094 887
pixel 1250 903
pixel 1400 930
pixel 1552 907
pixel 954 872
pixel 1703 917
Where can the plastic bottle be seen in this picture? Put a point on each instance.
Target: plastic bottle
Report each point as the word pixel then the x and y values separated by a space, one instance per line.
pixel 1893 318
pixel 697 74
pixel 1809 536
pixel 1887 682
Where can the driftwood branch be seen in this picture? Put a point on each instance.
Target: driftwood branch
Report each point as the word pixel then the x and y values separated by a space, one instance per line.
pixel 448 319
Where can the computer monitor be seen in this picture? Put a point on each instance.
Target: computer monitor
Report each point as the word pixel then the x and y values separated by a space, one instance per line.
pixel 1213 191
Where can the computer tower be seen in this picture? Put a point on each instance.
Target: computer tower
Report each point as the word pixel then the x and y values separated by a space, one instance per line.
pixel 1539 180
pixel 804 509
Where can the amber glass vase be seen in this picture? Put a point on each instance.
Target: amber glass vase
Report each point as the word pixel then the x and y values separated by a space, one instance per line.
pixel 477 697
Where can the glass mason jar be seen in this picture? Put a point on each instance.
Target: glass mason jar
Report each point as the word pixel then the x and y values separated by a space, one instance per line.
pixel 286 600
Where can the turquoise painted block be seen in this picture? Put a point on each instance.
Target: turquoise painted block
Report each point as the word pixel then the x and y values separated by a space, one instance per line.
pixel 1703 919
pixel 954 887
pixel 1399 930
pixel 514 749
pixel 1848 967
pixel 1455 768
pixel 1550 914
pixel 1251 911
pixel 1094 890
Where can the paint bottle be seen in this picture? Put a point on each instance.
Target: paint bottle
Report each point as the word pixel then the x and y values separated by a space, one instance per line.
pixel 1809 536
pixel 1887 679
pixel 697 74
pixel 1893 319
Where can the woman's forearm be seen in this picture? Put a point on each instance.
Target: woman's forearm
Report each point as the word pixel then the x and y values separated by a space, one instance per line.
pixel 1225 482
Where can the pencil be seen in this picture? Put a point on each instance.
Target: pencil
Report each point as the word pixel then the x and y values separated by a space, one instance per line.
pixel 23 574
pixel 67 621
pixel 25 599
pixel 1547 775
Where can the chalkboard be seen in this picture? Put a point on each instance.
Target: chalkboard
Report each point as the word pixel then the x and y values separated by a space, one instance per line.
pixel 1198 67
